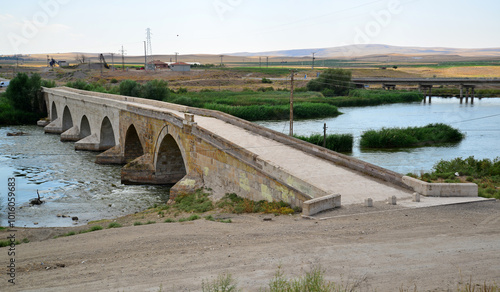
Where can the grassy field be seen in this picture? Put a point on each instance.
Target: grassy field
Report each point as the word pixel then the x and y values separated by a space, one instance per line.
pixel 431 134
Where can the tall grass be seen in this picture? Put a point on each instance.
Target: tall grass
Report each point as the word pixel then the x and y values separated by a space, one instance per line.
pixel 335 142
pixel 363 97
pixel 446 92
pixel 277 112
pixel 411 137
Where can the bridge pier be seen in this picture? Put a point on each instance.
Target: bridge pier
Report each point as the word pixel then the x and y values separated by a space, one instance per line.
pixel 54 127
pixel 469 91
pixel 71 135
pixel 427 89
pixel 389 86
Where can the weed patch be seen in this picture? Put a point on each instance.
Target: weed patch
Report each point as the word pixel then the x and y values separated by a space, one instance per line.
pixel 198 202
pixel 431 134
pixel 335 142
pixel 223 283
pixel 234 204
pixel 190 218
pixel 114 225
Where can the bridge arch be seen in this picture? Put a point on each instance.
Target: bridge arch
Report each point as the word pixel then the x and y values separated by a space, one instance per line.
pixel 107 137
pixel 53 112
pixel 170 162
pixel 85 127
pixel 67 122
pixel 133 145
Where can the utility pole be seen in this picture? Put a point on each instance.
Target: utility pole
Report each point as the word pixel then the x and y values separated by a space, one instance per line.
pixel 145 57
pixel 176 56
pixel 267 62
pixel 101 62
pixel 324 135
pixel 291 102
pixel 221 56
pixel 113 61
pixel 313 60
pixel 123 59
pixel 260 64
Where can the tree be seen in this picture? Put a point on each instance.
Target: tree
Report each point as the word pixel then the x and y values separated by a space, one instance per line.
pixel 130 88
pixel 24 93
pixel 332 82
pixel 81 58
pixel 155 89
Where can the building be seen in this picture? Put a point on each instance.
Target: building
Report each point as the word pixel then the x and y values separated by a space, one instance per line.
pixel 180 67
pixel 159 64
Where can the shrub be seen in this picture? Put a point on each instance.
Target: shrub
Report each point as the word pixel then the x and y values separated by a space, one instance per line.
pixel 79 84
pixel 155 89
pixel 198 202
pixel 24 93
pixel 233 203
pixel 337 80
pixel 114 81
pixel 96 227
pixel 169 220
pixel 411 136
pixel 265 80
pixel 114 225
pixel 190 218
pixel 182 90
pixel 49 83
pixel 335 142
pixel 265 89
pixel 223 283
pixel 130 88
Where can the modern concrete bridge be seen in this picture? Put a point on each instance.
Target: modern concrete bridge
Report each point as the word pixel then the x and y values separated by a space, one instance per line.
pixel 163 143
pixel 426 84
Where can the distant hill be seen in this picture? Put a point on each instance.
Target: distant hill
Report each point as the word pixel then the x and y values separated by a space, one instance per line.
pixel 366 50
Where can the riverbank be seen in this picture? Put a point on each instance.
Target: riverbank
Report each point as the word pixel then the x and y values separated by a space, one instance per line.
pixel 462 241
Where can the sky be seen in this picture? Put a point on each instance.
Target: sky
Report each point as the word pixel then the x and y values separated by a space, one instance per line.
pixel 230 26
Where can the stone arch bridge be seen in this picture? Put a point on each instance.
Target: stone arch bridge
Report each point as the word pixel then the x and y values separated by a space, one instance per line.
pixel 163 143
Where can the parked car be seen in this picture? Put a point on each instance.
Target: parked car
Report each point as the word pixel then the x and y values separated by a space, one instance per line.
pixel 4 84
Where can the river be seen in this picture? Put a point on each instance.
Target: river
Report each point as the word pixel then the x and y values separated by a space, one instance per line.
pixel 69 181
pixel 72 184
pixel 479 121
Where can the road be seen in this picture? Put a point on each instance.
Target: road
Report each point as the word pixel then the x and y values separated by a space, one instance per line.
pixel 383 249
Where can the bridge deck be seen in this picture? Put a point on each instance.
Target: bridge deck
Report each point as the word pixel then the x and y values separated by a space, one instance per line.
pixel 353 186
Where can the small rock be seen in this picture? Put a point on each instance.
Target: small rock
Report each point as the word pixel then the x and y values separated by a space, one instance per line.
pixel 61 265
pixel 59 215
pixel 74 218
pixel 268 219
pixel 36 223
pixel 17 134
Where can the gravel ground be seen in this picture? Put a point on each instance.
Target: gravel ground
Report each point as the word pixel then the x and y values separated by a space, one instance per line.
pixel 380 249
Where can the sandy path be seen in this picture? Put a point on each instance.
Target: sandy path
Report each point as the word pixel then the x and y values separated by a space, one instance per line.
pixel 430 247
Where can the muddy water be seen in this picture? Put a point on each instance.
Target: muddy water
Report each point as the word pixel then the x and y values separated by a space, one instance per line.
pixel 69 181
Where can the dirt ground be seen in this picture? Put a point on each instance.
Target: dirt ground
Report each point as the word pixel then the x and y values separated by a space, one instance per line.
pixel 384 248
